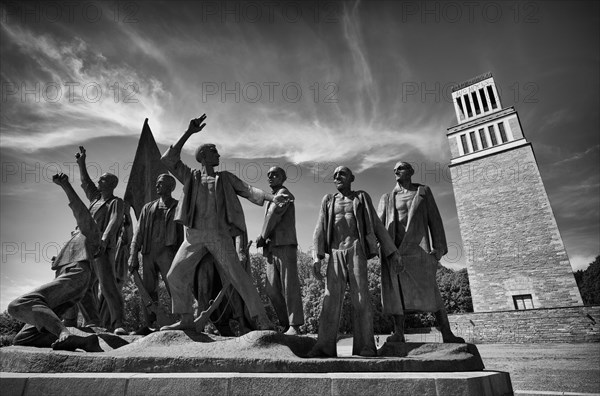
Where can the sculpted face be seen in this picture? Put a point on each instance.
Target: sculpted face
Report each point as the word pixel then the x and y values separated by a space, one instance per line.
pixel 107 182
pixel 165 184
pixel 343 178
pixel 208 154
pixel 276 177
pixel 403 171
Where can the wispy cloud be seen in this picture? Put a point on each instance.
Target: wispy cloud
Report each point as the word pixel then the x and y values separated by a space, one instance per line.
pixel 357 126
pixel 368 97
pixel 79 93
pixel 579 155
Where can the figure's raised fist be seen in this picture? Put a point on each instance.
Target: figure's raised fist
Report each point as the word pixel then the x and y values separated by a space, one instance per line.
pixel 197 124
pixel 80 156
pixel 60 178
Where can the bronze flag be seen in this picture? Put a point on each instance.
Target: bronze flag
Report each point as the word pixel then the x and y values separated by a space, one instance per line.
pixel 144 172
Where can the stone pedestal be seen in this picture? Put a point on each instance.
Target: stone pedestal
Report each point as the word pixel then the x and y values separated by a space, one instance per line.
pixel 259 363
pixel 476 383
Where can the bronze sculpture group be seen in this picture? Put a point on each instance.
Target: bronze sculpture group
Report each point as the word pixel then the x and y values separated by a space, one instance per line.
pixel 207 226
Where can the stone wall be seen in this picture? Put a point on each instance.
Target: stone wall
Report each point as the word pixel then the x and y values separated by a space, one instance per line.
pixel 564 324
pixel 510 236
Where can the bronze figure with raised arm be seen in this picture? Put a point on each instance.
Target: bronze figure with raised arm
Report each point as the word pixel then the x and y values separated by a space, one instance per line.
pixel 212 216
pixel 349 231
pixel 42 308
pixel 413 221
pixel 107 210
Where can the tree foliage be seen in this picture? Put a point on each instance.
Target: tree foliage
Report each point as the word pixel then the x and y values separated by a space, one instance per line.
pixel 588 281
pixel 9 327
pixel 455 290
pixel 133 306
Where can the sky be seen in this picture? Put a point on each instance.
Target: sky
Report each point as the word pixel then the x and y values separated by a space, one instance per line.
pixel 305 85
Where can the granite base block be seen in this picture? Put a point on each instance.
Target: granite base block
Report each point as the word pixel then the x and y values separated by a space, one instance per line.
pixel 475 383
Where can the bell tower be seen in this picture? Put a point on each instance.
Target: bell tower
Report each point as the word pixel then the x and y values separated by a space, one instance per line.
pixel 514 252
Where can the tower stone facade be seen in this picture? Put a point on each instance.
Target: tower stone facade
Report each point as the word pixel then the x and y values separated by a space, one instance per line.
pixel 514 252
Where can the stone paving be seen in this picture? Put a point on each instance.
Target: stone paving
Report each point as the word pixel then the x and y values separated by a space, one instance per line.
pixel 550 369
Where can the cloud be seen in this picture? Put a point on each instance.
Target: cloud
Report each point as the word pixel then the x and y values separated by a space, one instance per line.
pixel 581 262
pixel 347 111
pixel 78 93
pixel 360 126
pixel 369 96
pixel 579 155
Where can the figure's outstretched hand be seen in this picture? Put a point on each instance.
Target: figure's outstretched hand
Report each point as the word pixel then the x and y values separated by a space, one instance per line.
pixel 60 179
pixel 80 156
pixel 317 270
pixel 197 124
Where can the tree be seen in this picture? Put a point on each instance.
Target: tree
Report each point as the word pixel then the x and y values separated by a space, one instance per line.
pixel 453 285
pixel 258 266
pixel 588 281
pixel 9 327
pixel 455 290
pixel 311 290
pixel 456 294
pixel 312 294
pixel 381 323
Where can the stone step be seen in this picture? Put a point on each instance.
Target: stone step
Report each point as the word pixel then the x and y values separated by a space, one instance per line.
pixel 475 383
